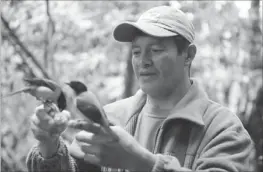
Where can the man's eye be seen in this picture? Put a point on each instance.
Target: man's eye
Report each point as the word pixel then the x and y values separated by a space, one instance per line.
pixel 136 52
pixel 155 50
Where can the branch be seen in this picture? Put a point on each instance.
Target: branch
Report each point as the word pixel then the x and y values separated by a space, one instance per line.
pixel 24 48
pixel 46 42
pixel 21 54
pixel 49 47
pixel 50 18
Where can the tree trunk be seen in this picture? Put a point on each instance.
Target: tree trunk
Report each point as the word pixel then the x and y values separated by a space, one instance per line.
pixel 255 122
pixel 255 128
pixel 256 37
pixel 129 79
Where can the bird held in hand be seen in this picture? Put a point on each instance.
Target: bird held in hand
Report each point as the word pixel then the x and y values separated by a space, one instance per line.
pixel 44 90
pixel 88 104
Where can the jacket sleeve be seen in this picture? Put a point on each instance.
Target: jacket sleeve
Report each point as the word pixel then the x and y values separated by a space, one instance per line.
pixel 62 161
pixel 230 150
pixel 227 147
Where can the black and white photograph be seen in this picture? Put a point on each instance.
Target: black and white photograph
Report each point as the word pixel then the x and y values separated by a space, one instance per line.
pixel 131 86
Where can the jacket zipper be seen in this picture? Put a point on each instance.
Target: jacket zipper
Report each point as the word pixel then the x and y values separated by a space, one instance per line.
pixel 159 136
pixel 158 139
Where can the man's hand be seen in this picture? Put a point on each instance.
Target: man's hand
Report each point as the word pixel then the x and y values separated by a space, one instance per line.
pixel 96 146
pixel 47 124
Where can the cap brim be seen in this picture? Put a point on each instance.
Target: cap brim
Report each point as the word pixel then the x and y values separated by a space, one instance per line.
pixel 125 32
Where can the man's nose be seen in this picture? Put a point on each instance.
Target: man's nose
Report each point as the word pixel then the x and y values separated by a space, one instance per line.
pixel 146 60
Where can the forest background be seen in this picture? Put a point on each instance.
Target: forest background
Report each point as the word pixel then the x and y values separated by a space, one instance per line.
pixel 66 40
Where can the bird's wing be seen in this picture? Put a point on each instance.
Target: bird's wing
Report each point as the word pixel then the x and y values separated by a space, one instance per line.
pixel 62 101
pixel 90 100
pixel 18 91
pixel 88 104
pixel 42 82
pixel 88 110
pixel 58 93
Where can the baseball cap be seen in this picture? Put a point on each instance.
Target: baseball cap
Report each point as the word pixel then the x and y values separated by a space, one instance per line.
pixel 161 21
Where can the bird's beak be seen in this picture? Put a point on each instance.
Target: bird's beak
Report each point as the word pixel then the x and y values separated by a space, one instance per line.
pixel 69 84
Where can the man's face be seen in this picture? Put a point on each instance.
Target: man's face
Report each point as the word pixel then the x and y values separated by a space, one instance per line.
pixel 157 64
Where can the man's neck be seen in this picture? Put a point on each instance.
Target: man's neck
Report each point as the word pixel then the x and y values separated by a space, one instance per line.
pixel 170 100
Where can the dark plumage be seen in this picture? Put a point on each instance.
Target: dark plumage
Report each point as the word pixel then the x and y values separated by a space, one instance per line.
pixel 45 90
pixel 88 104
pixel 62 101
pixel 84 102
pixel 78 87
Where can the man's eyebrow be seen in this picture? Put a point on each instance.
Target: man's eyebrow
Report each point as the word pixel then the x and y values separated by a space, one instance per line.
pixel 159 41
pixel 134 46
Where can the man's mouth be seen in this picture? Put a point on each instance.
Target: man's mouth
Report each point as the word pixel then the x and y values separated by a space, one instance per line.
pixel 146 74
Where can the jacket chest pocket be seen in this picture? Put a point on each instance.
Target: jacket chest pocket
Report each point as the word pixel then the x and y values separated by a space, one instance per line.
pixel 175 143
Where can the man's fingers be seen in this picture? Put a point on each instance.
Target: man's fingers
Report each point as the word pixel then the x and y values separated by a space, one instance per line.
pixel 66 113
pixel 42 115
pixel 90 149
pixel 38 132
pixel 91 159
pixel 51 107
pixel 85 137
pixel 92 138
pixel 42 121
pixel 85 125
pixel 41 106
pixel 62 118
pixel 75 150
pixel 36 124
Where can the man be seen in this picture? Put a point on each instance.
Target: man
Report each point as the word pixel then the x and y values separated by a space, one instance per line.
pixel 170 123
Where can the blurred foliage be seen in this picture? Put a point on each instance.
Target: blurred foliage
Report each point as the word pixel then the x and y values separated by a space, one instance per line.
pixel 73 40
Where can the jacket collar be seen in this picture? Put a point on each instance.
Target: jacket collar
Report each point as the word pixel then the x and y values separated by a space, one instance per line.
pixel 191 107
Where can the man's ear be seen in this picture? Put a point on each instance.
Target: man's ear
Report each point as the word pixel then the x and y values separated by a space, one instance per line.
pixel 191 51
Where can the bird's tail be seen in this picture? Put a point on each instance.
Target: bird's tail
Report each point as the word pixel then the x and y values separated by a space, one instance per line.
pixel 17 92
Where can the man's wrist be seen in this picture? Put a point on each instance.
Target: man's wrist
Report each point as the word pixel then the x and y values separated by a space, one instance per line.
pixel 147 162
pixel 48 148
pixel 151 160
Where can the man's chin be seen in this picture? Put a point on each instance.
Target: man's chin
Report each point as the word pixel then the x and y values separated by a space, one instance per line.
pixel 149 88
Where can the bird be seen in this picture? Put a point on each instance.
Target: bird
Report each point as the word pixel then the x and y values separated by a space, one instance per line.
pixel 89 105
pixel 44 90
